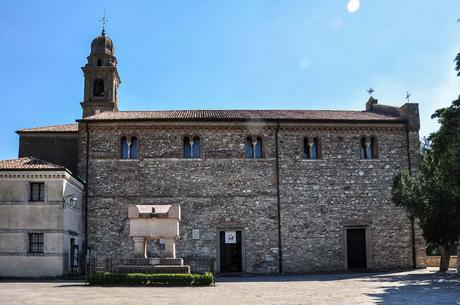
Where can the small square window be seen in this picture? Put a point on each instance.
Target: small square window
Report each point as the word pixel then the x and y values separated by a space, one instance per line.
pixel 37 191
pixel 36 243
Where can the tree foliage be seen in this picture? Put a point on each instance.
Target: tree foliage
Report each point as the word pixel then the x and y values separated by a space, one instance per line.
pixel 433 195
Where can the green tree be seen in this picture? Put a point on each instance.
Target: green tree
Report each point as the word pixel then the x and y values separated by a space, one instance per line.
pixel 433 195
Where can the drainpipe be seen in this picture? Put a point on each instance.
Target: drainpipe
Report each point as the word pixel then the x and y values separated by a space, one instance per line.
pixel 280 253
pixel 86 193
pixel 412 220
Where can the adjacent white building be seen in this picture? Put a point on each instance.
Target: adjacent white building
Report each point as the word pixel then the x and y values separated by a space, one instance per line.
pixel 40 219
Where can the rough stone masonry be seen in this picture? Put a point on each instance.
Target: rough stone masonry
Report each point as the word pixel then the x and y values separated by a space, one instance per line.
pixel 318 199
pixel 293 214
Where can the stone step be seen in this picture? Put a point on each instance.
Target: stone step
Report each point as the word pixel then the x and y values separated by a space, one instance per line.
pixel 153 261
pixel 153 269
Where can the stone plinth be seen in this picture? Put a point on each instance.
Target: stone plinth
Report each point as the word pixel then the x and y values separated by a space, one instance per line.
pixel 153 265
pixel 154 222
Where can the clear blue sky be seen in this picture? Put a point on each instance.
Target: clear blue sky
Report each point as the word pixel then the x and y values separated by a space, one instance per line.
pixel 236 54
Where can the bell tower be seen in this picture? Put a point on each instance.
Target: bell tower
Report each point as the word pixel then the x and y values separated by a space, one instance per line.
pixel 101 78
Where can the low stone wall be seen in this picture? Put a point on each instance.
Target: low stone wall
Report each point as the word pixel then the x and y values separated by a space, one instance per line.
pixel 434 261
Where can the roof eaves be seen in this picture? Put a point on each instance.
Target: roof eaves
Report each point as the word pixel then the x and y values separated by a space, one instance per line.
pixel 246 119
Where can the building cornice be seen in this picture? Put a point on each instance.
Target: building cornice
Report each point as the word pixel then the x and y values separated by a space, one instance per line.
pixel 44 174
pixel 243 127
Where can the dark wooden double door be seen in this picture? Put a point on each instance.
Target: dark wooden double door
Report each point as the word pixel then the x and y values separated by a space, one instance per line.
pixel 230 253
pixel 356 249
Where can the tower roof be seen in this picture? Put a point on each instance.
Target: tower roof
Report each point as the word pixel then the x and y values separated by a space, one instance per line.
pixel 102 44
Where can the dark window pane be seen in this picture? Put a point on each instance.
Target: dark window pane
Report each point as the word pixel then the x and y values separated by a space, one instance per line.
pixel 36 242
pixel 41 192
pixel 314 149
pixel 133 148
pixel 249 148
pixel 187 148
pixel 368 151
pixel 259 148
pixel 98 87
pixel 372 148
pixel 124 148
pixel 37 191
pixel 363 150
pixel 196 148
pixel 306 149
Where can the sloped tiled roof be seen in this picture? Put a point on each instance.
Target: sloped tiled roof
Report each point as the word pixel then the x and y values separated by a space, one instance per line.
pixel 51 129
pixel 28 163
pixel 314 115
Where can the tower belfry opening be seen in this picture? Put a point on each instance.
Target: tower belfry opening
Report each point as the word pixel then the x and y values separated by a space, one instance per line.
pixel 101 77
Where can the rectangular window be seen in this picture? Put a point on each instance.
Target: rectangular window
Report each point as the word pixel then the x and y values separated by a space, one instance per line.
pixel 35 242
pixel 37 191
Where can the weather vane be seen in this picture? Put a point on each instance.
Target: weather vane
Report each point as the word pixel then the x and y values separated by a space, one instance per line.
pixel 408 96
pixel 370 91
pixel 104 20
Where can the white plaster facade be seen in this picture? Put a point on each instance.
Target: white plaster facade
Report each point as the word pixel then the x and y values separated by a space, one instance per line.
pixel 19 216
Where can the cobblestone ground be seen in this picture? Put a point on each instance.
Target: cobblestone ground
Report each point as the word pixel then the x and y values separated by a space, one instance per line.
pixel 415 287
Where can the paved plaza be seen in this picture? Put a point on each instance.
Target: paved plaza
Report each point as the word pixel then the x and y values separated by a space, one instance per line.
pixel 414 287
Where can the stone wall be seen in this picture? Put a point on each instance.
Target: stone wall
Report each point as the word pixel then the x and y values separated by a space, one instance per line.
pixel 320 198
pixel 224 190
pixel 435 261
pixel 57 148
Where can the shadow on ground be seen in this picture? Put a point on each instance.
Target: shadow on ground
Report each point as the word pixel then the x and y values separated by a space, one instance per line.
pixel 420 289
pixel 323 277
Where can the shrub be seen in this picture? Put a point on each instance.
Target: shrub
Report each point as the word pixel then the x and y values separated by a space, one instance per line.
pixel 151 279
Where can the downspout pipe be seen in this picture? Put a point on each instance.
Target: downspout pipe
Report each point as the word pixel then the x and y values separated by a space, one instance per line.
pixel 412 220
pixel 86 191
pixel 280 250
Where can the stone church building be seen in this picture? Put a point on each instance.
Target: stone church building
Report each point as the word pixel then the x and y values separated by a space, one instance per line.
pixel 262 191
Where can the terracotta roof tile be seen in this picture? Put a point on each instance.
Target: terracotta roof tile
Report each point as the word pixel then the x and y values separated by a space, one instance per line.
pixel 321 115
pixel 28 163
pixel 54 128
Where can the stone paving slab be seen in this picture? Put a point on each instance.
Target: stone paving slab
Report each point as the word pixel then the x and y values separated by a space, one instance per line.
pixel 413 287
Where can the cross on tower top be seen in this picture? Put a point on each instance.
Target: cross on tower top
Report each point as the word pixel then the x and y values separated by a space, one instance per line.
pixel 103 20
pixel 370 91
pixel 408 96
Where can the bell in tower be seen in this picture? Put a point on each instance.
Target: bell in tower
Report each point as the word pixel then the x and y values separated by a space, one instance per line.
pixel 101 77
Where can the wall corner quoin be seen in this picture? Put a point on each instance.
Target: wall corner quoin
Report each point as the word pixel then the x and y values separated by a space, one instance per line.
pixel 410 113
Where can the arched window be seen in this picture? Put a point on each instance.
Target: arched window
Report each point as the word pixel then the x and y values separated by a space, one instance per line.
pixel 311 148
pixel 129 148
pixel 187 148
pixel 258 148
pixel 124 148
pixel 133 148
pixel 99 62
pixel 254 148
pixel 249 148
pixel 196 148
pixel 368 148
pixel 98 87
pixel 363 148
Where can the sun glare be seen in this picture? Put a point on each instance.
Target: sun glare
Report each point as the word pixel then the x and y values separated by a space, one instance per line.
pixel 353 6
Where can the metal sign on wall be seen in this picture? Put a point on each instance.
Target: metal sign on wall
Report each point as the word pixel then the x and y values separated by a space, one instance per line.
pixel 195 234
pixel 230 237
